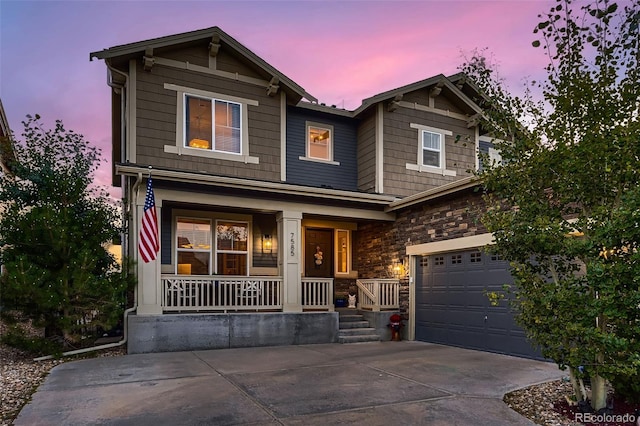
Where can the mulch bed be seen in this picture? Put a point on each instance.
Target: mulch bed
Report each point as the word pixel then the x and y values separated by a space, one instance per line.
pixel 618 413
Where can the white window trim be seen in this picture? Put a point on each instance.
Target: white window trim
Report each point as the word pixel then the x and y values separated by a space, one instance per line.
pixel 418 166
pixel 180 148
pixel 307 157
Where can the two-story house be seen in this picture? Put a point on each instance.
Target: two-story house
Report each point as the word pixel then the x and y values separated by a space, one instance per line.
pixel 271 205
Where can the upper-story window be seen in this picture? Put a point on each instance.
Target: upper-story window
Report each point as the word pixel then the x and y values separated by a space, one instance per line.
pixel 431 151
pixel 213 124
pixel 487 153
pixel 319 143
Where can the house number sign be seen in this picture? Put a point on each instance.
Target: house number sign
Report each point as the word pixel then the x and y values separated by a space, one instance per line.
pixel 293 244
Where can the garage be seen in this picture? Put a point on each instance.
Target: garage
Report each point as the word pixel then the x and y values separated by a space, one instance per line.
pixel 452 307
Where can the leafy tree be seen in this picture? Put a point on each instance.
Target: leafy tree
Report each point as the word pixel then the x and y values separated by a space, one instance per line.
pixel 53 229
pixel 565 202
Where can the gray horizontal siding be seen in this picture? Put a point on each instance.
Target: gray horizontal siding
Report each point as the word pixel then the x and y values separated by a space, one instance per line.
pixel 343 176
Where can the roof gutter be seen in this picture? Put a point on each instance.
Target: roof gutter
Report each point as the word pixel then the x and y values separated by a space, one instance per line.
pixel 431 194
pixel 272 187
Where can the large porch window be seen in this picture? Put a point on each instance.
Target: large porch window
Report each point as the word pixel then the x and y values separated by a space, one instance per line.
pixel 232 249
pixel 193 246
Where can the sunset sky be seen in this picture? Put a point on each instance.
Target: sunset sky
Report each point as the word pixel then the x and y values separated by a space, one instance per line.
pixel 339 51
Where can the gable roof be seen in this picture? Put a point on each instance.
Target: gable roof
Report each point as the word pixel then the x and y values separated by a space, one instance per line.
pixel 439 79
pixel 137 48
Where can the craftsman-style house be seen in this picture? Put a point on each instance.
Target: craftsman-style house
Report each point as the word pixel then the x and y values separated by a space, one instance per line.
pixel 273 208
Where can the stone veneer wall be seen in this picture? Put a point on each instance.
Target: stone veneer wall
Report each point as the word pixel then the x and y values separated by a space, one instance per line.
pixel 343 286
pixel 379 245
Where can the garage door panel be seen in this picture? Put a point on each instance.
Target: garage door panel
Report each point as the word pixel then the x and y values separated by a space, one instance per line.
pixel 452 307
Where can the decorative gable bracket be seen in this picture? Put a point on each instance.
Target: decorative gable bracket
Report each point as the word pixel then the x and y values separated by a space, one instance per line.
pixel 435 90
pixel 273 86
pixel 148 61
pixel 394 104
pixel 214 45
pixel 474 120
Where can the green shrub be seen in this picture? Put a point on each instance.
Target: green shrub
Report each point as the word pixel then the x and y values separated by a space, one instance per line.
pixel 627 387
pixel 17 338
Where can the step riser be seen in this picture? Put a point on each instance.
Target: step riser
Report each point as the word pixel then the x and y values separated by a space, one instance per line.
pixel 351 318
pixel 357 332
pixel 354 324
pixel 358 339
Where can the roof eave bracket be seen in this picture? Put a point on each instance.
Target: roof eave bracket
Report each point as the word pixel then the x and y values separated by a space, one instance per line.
pixel 148 61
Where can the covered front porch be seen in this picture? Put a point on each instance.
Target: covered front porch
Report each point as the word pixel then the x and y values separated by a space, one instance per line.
pixel 249 268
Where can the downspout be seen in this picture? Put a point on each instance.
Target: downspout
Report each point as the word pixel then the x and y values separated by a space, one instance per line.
pixel 126 313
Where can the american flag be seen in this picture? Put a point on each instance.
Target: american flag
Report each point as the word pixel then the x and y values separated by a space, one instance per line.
pixel 148 244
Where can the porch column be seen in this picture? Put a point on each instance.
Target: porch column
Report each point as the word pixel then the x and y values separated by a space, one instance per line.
pixel 289 257
pixel 149 283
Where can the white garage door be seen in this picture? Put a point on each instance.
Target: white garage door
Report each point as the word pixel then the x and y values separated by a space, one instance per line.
pixel 452 307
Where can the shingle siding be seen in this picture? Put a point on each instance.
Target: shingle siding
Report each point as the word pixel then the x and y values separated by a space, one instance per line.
pixel 342 176
pixel 197 55
pixel 156 124
pixel 401 145
pixel 367 154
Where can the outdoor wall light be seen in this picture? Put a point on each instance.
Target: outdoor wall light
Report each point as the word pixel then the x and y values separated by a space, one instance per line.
pixel 267 245
pixel 399 268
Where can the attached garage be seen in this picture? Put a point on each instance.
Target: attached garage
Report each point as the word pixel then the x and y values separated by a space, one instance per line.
pixel 452 308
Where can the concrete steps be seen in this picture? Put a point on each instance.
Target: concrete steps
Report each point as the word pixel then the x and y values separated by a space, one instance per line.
pixel 353 328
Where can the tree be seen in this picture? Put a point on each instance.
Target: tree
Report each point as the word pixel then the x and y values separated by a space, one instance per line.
pixel 53 229
pixel 565 200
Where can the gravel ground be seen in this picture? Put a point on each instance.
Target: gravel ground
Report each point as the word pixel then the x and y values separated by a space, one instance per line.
pixel 20 376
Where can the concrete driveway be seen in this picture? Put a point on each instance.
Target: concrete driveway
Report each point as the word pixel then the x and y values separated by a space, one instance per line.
pixel 380 383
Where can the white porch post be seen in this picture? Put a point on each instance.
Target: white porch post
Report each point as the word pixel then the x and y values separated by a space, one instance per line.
pixel 290 255
pixel 149 283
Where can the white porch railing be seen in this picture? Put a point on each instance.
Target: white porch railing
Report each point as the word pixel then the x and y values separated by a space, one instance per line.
pixel 317 293
pixel 378 294
pixel 220 293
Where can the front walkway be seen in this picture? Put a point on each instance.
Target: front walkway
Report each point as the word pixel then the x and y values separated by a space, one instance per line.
pixel 377 383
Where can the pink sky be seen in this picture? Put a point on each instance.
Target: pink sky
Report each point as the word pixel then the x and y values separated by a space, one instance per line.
pixel 339 52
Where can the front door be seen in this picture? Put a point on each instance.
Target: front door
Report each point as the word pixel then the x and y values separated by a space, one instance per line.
pixel 318 254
